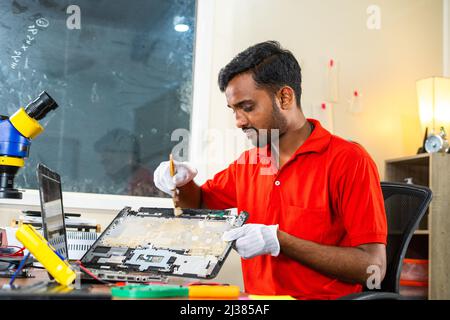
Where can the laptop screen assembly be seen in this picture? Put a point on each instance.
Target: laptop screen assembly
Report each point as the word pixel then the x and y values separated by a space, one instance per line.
pixel 52 209
pixel 153 243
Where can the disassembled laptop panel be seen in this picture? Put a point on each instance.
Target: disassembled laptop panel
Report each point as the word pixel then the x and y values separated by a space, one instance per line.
pixel 152 242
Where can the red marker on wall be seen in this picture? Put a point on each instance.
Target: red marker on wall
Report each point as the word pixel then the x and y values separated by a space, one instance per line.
pixel 355 102
pixel 332 81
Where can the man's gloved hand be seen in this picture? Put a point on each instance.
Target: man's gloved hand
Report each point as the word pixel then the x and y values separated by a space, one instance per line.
pixel 254 239
pixel 184 174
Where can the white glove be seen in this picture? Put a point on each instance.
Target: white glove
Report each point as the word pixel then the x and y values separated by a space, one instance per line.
pixel 184 174
pixel 254 239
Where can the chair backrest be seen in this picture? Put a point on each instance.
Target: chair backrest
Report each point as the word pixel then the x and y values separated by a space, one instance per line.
pixel 406 205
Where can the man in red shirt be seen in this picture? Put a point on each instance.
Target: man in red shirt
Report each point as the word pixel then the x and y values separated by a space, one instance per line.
pixel 317 223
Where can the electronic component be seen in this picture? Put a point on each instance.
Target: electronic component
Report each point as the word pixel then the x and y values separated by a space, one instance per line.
pixel 153 242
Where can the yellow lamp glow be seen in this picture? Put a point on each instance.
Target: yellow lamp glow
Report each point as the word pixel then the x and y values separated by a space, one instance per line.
pixel 433 95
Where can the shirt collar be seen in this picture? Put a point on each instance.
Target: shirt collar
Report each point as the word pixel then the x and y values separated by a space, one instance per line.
pixel 318 140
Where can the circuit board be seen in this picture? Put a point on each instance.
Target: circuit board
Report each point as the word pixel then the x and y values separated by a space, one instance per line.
pixel 142 245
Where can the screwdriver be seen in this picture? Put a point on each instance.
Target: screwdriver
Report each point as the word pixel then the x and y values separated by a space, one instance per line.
pixel 177 210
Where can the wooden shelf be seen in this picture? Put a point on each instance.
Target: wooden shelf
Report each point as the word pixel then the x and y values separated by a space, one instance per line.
pixel 410 159
pixel 432 239
pixel 417 232
pixel 422 232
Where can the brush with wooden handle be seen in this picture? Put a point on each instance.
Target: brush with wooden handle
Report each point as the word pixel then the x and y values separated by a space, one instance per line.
pixel 177 210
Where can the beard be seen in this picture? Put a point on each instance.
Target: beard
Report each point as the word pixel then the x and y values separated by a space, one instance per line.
pixel 276 127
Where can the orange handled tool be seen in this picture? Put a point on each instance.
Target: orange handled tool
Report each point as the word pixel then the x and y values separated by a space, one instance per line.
pixel 172 166
pixel 177 211
pixel 217 292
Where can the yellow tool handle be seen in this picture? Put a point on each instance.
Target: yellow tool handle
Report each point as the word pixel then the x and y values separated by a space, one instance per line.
pixel 205 291
pixel 172 166
pixel 177 210
pixel 44 253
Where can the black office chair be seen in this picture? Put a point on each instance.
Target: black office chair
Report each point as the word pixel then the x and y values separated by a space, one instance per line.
pixel 405 204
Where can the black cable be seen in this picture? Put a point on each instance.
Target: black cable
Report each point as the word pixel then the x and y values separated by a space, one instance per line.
pixel 10 261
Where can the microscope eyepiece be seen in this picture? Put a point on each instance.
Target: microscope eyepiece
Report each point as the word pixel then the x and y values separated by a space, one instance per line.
pixel 16 133
pixel 38 108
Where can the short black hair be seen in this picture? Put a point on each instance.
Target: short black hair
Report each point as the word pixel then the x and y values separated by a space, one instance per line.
pixel 271 66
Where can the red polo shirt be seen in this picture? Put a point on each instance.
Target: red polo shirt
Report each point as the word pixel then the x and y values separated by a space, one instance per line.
pixel 328 192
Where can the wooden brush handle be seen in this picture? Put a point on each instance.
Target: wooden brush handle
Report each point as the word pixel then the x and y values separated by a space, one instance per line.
pixel 172 166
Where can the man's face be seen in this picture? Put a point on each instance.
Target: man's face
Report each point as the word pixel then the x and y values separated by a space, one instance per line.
pixel 255 109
